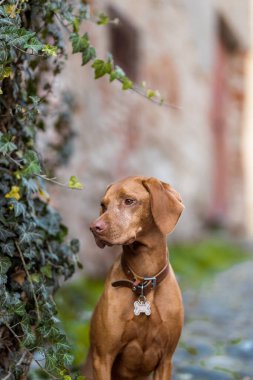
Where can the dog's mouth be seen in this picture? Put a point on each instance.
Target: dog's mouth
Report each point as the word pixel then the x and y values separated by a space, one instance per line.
pixel 102 242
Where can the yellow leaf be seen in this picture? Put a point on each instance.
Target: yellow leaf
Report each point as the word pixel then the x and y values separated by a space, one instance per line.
pixel 74 183
pixel 44 195
pixel 150 93
pixel 11 10
pixel 14 193
pixel 17 175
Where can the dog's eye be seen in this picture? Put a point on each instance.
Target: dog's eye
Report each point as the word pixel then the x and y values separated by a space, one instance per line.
pixel 103 207
pixel 129 202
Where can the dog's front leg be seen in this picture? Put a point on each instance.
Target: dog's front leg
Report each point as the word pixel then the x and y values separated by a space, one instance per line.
pixel 102 366
pixel 164 370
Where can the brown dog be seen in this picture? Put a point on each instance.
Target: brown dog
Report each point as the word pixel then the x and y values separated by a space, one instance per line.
pixel 138 320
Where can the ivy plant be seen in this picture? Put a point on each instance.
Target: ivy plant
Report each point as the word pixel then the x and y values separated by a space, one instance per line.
pixel 35 257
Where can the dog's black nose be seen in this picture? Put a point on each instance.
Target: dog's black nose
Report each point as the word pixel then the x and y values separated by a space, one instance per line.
pixel 98 227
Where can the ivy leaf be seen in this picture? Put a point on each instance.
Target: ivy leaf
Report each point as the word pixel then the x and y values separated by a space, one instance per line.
pixel 103 19
pixel 34 44
pixel 118 73
pixel 50 331
pixel 5 264
pixel 62 344
pixel 75 245
pixel 6 145
pixel 3 279
pixel 29 338
pixel 19 309
pixel 5 234
pixel 47 270
pixel 12 10
pixel 79 43
pixel 28 234
pixel 51 361
pixel 67 359
pixel 74 183
pixel 88 55
pixel 18 37
pixel 8 248
pixel 5 72
pixel 76 24
pixel 13 193
pixel 150 93
pixel 50 50
pixel 19 207
pixel 126 84
pixel 101 68
pixel 30 185
pixel 32 163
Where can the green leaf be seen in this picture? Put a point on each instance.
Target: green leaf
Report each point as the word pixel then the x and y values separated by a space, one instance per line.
pixel 47 270
pixel 150 93
pixel 35 100
pixel 5 264
pixel 101 68
pixel 34 44
pixel 6 145
pixel 8 248
pixel 74 183
pixel 29 337
pixel 3 279
pixel 5 234
pixel 88 55
pixel 75 245
pixel 62 344
pixel 5 72
pixel 50 50
pixel 28 234
pixel 118 73
pixel 126 84
pixel 103 19
pixel 67 359
pixel 51 361
pixel 76 24
pixel 79 43
pixel 32 164
pixel 19 309
pixel 14 35
pixel 19 207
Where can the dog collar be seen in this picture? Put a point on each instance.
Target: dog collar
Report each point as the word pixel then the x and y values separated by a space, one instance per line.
pixel 140 285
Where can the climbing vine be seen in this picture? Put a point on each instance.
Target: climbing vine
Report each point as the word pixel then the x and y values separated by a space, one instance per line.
pixel 35 256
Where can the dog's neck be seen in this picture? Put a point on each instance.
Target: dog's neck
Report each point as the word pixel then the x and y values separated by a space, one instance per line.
pixel 147 256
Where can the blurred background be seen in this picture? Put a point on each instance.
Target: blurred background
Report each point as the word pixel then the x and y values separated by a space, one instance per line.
pixel 198 54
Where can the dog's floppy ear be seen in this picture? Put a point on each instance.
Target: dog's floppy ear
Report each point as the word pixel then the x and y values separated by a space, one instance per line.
pixel 166 204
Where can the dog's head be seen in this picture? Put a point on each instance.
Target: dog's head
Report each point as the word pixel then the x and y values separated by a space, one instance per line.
pixel 133 207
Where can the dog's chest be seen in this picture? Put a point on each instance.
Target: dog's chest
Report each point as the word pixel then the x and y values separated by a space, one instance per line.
pixel 144 340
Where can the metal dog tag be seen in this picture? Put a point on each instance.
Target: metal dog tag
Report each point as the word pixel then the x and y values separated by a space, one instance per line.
pixel 142 306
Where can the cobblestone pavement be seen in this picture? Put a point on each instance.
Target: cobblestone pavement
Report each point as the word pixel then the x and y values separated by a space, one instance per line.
pixel 217 341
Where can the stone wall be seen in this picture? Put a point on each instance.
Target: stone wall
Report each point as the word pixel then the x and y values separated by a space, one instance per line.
pixel 121 133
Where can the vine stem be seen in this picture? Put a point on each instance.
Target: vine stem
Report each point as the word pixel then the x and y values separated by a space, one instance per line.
pixel 48 373
pixel 42 176
pixel 7 376
pixel 135 88
pixel 29 53
pixel 30 280
pixel 53 180
pixel 27 351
